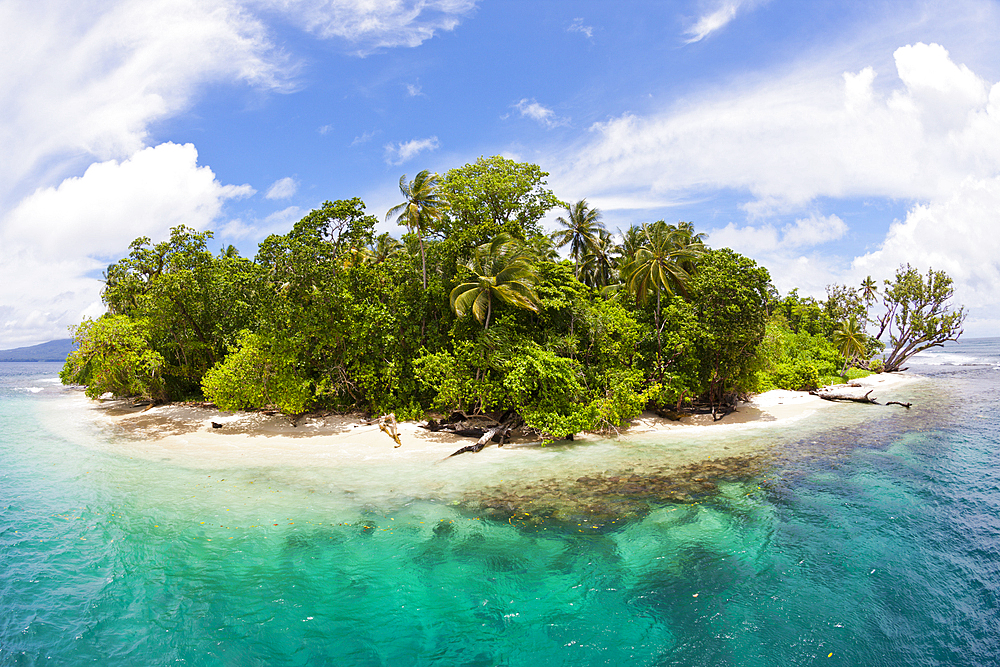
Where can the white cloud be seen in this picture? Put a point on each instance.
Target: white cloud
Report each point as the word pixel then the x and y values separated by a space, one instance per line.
pixel 397 154
pixel 719 15
pixel 85 79
pixel 283 188
pixel 958 235
pixel 279 222
pixel 54 240
pixel 413 89
pixel 325 129
pixel 807 136
pixel 578 26
pixel 364 137
pixel 535 111
pixel 373 24
pixel 99 213
pixel 812 231
pixel 767 239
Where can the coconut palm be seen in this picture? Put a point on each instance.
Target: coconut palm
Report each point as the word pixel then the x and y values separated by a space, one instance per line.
pixel 850 340
pixel 599 263
pixel 685 238
pixel 657 267
pixel 868 291
pixel 501 270
pixel 423 206
pixel 581 231
pixel 385 246
pixel 541 249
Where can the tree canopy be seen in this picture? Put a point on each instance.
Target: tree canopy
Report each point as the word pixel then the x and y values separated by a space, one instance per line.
pixel 474 309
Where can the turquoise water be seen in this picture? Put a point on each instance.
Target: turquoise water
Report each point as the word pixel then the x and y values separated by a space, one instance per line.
pixel 874 537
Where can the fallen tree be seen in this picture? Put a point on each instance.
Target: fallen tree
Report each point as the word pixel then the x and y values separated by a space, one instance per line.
pixel 839 395
pixel 483 427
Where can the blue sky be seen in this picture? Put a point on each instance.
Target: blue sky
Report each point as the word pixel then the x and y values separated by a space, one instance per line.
pixel 827 140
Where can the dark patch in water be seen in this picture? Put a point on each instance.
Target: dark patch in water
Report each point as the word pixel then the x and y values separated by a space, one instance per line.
pixel 607 502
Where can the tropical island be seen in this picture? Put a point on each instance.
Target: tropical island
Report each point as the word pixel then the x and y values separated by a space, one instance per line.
pixel 473 311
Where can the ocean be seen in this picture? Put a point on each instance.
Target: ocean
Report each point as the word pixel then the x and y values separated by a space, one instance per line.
pixel 865 535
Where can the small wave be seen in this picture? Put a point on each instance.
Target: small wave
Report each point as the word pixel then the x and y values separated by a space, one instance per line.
pixel 33 390
pixel 950 359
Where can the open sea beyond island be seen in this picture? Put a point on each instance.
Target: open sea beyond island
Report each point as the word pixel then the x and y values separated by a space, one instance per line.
pixel 859 535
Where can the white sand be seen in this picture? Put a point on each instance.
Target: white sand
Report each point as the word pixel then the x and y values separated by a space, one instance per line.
pixel 185 434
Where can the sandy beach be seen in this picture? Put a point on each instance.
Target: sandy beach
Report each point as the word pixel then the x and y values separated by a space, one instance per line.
pixel 185 432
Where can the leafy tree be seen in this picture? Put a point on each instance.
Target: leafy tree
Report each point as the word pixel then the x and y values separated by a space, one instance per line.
pixel 421 210
pixel 581 231
pixel 254 376
pixel 842 304
pixel 342 224
pixel 729 295
pixel 500 269
pixel 491 196
pixel 195 304
pixel 799 361
pixel 918 314
pixel 114 355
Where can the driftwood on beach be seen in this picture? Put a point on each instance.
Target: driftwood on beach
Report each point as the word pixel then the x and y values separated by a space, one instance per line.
pixel 840 394
pixel 388 425
pixel 836 395
pixel 483 427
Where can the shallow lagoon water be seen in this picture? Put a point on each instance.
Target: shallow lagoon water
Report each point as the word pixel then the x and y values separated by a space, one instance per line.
pixel 865 532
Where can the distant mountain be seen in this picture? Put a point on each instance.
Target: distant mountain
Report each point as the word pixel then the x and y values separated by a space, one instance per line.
pixel 54 350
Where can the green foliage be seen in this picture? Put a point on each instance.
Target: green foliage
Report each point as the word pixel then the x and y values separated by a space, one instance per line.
pixel 194 304
pixel 918 314
pixel 114 355
pixel 804 314
pixel 255 375
pixel 799 361
pixel 331 316
pixel 501 271
pixel 729 295
pixel 492 196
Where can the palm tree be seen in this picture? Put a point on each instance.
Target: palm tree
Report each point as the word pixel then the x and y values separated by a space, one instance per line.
pixel 541 249
pixel 501 270
pixel 385 246
pixel 850 340
pixel 657 266
pixel 868 291
pixel 599 263
pixel 422 207
pixel 581 230
pixel 686 239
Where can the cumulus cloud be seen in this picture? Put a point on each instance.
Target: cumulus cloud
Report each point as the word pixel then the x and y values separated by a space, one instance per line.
pixel 100 212
pixel 397 154
pixel 536 112
pixel 283 188
pixel 716 17
pixel 807 136
pixel 279 222
pixel 52 243
pixel 86 79
pixel 957 235
pixel 370 26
